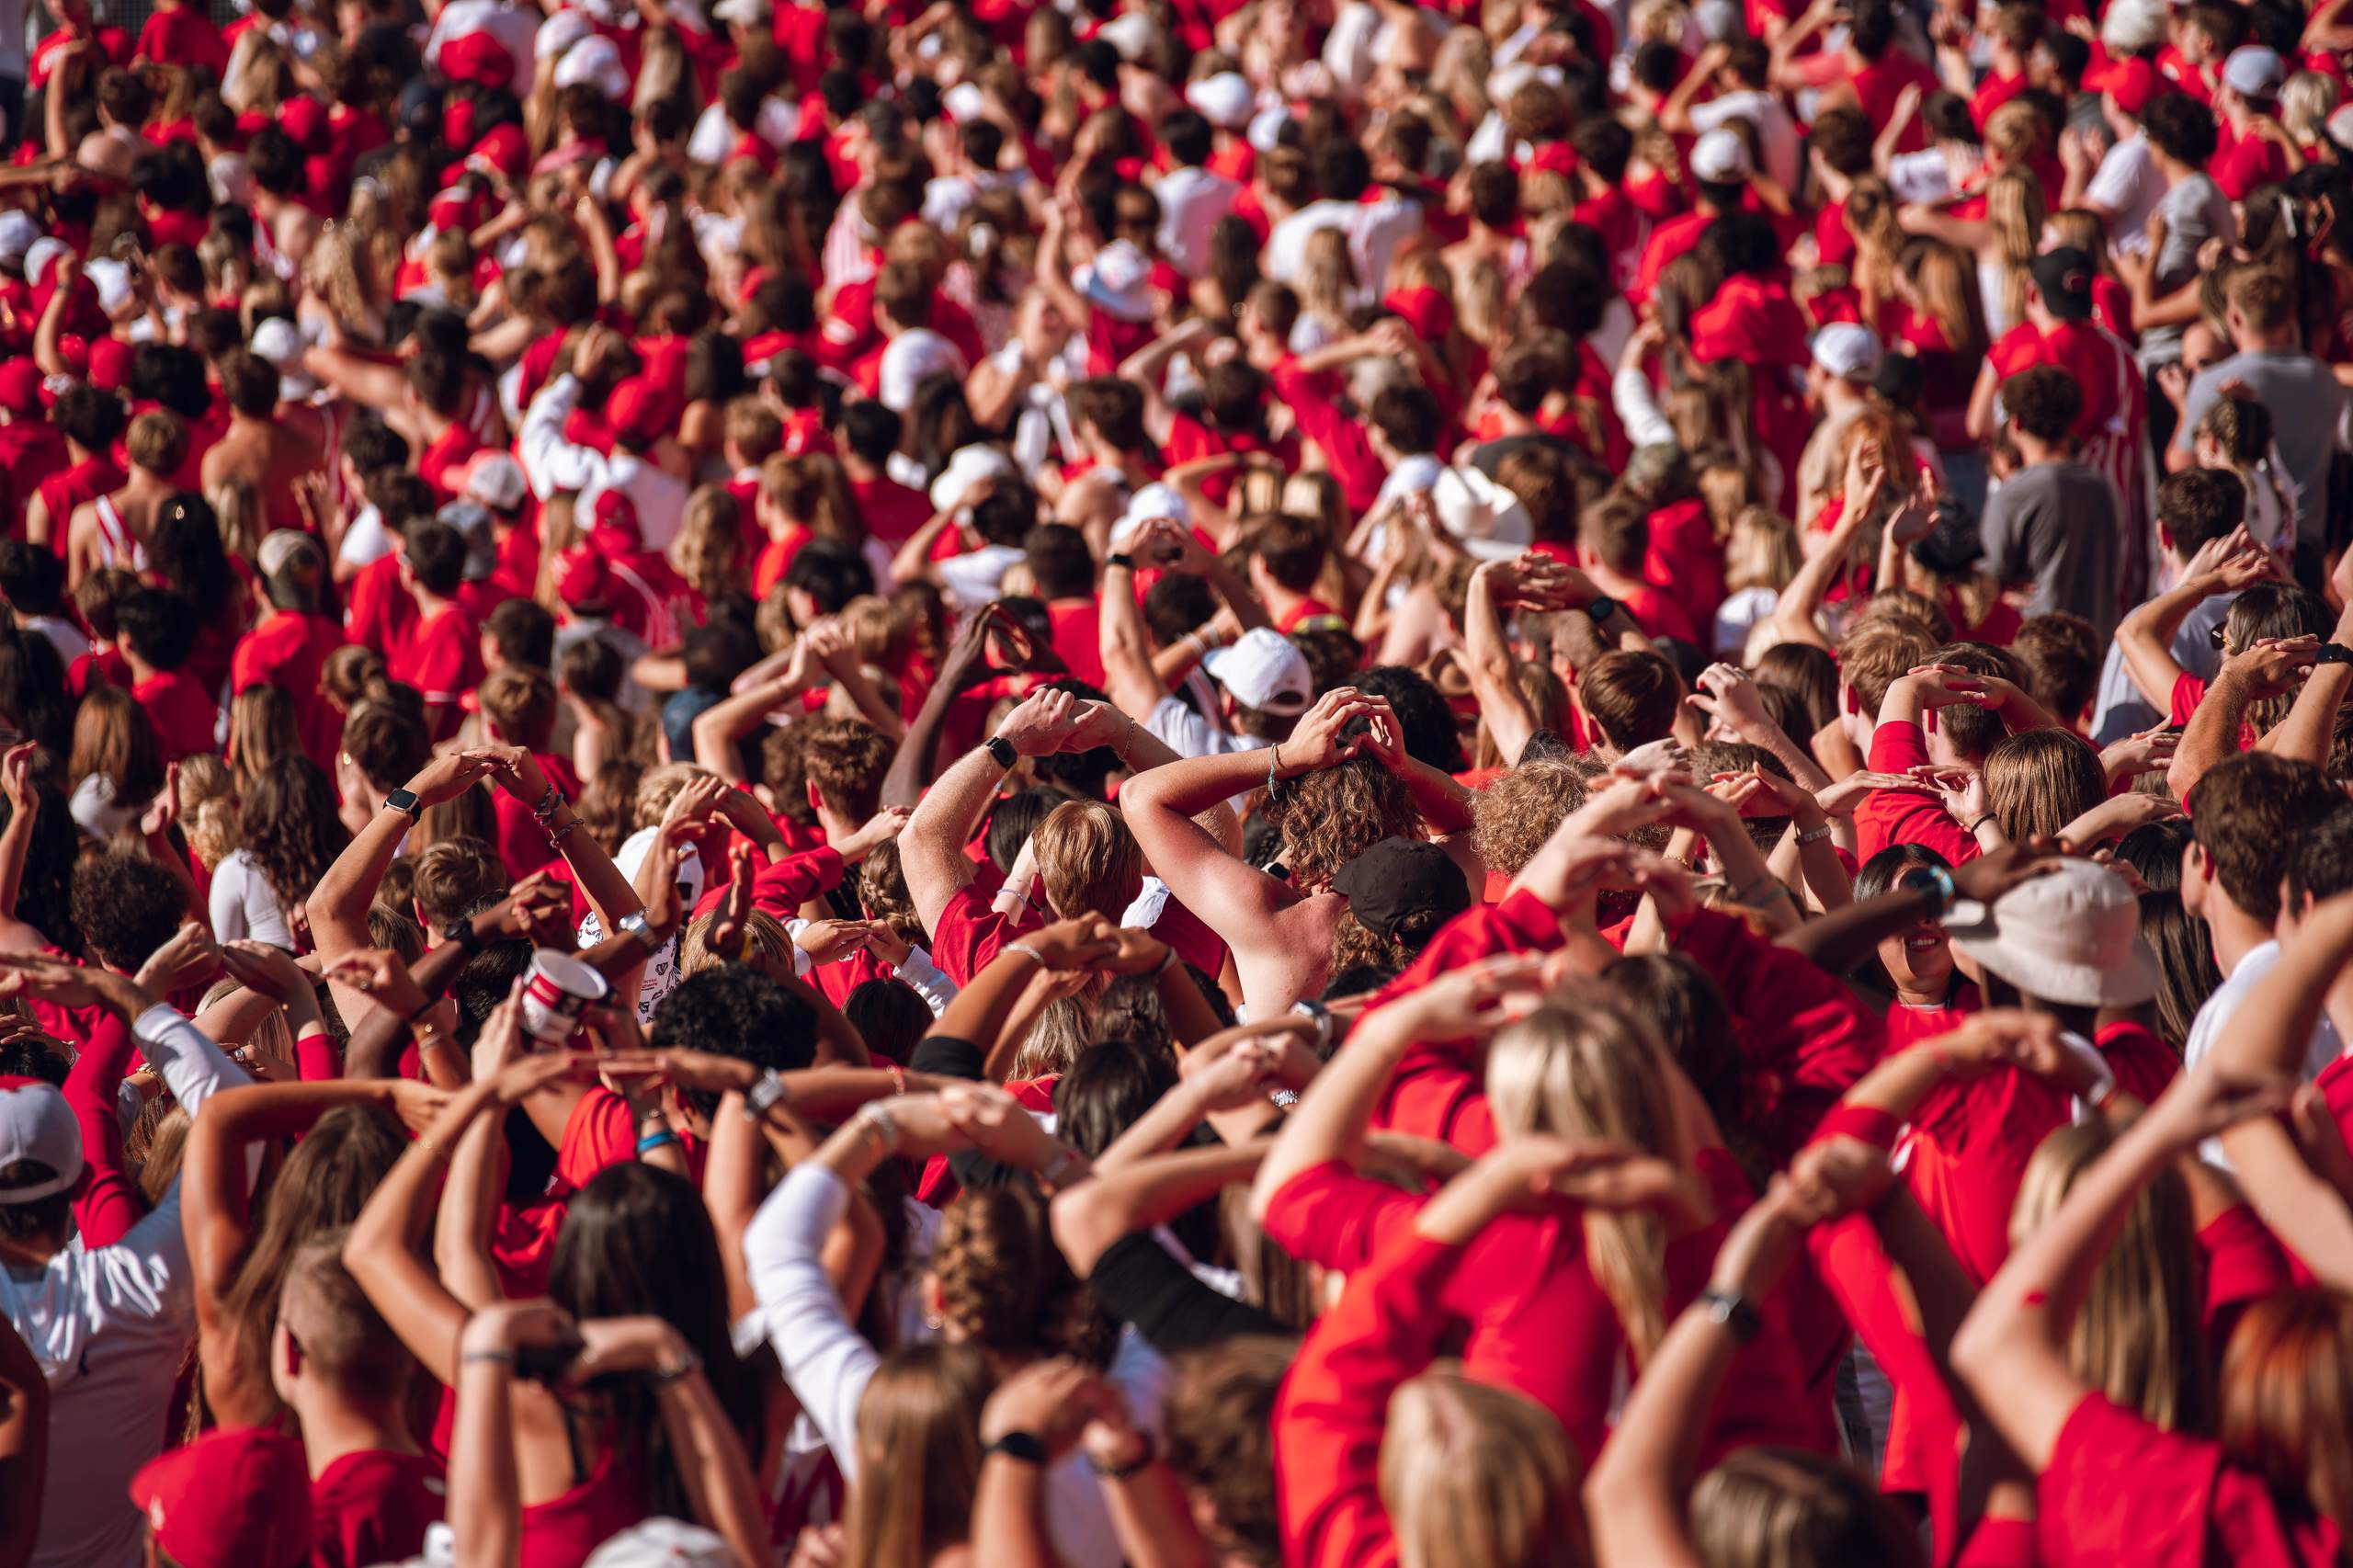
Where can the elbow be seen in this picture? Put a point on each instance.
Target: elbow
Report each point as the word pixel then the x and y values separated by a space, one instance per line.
pixel 1078 1225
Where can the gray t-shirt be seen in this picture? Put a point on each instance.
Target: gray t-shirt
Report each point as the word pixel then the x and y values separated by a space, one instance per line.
pixel 2055 524
pixel 2305 403
pixel 2195 212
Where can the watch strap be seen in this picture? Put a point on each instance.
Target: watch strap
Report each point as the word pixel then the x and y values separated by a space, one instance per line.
pixel 1001 752
pixel 764 1094
pixel 1734 1311
pixel 1027 1447
pixel 1121 559
pixel 1601 607
pixel 461 932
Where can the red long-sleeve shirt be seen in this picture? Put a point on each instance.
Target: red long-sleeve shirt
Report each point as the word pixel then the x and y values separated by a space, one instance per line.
pixel 1906 816
pixel 106 1201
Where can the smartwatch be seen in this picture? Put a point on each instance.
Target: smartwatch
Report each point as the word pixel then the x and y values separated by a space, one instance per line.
pixel 1601 607
pixel 460 932
pixel 1121 559
pixel 405 800
pixel 764 1095
pixel 1001 752
pixel 635 925
pixel 1734 1311
pixel 1027 1447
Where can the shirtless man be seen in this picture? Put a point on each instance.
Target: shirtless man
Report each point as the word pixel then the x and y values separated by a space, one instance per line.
pixel 275 457
pixel 113 529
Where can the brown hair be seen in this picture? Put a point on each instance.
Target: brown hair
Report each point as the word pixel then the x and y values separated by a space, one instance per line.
pixel 1087 861
pixel 453 879
pixel 113 735
pixel 2060 656
pixel 1003 1284
pixel 338 1328
pixel 1632 696
pixel 2288 1397
pixel 1218 1425
pixel 1787 1509
pixel 919 1455
pixel 1876 651
pixel 2040 781
pixel 521 702
pixel 1512 816
pixel 1329 817
pixel 846 759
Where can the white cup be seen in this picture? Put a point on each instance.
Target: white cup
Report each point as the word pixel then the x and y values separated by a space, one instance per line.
pixel 555 988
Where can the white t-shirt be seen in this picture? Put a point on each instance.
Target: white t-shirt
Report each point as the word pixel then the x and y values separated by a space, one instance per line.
pixel 2215 1017
pixel 1776 133
pixel 1191 202
pixel 1186 734
pixel 108 1327
pixel 976 578
pixel 2129 186
pixel 242 904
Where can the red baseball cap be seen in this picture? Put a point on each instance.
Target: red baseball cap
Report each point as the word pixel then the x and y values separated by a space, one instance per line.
pixel 2133 85
pixel 233 1499
pixel 20 382
pixel 1426 311
pixel 304 119
pixel 477 57
pixel 644 410
pixel 580 575
pixel 504 148
pixel 614 529
pixel 109 363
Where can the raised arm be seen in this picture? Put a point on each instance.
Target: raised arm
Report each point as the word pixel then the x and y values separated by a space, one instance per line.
pixel 1488 653
pixel 2146 635
pixel 2272 666
pixel 931 849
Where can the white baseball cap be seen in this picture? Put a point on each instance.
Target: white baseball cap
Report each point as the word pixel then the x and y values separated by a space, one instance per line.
pixel 1225 100
pixel 966 467
pixel 1154 500
pixel 1263 670
pixel 596 60
pixel 1130 33
pixel 661 1542
pixel 1721 157
pixel 2071 935
pixel 17 233
pixel 1119 279
pixel 42 254
pixel 37 1124
pixel 906 360
pixel 2254 72
pixel 1491 522
pixel 742 13
pixel 1845 348
pixel 495 480
pixel 560 32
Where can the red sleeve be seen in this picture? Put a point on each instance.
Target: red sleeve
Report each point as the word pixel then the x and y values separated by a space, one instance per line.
pixel 2188 691
pixel 1906 816
pixel 2244 1264
pixel 600 1132
pixel 967 934
pixel 316 1059
pixel 1329 1215
pixel 1345 448
pixel 1334 1406
pixel 2119 1489
pixel 1803 1027
pixel 106 1202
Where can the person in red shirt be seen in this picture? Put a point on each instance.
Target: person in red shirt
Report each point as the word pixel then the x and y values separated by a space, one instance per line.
pixel 237 1495
pixel 289 647
pixel 2252 149
pixel 1285 562
pixel 518 709
pixel 180 35
pixel 343 1374
pixel 1613 545
pixel 158 629
pixel 1063 569
pixel 891 511
pixel 441 656
pixel 611 573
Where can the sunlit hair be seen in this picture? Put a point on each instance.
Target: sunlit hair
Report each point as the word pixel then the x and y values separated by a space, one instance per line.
pixel 2305 101
pixel 1087 861
pixel 1003 1284
pixel 1946 281
pixel 2288 1398
pixel 1772 1507
pixel 1478 1477
pixel 771 946
pixel 1548 697
pixel 659 787
pixel 113 735
pixel 710 542
pixel 1582 1066
pixel 262 727
pixel 1329 817
pixel 1512 816
pixel 919 1455
pixel 2016 212
pixel 2139 1337
pixel 2040 781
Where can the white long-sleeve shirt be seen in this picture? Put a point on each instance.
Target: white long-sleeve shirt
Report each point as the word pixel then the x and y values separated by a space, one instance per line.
pixel 108 1327
pixel 829 1363
pixel 554 464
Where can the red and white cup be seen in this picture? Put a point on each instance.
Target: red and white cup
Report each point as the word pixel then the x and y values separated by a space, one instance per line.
pixel 555 988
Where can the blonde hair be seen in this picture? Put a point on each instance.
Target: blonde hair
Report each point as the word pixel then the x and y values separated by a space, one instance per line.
pixel 659 787
pixel 2139 1336
pixel 1087 861
pixel 2017 211
pixel 1326 276
pixel 1585 1067
pixel 710 543
pixel 1773 1508
pixel 1761 551
pixel 1478 1477
pixel 2307 99
pixel 919 1455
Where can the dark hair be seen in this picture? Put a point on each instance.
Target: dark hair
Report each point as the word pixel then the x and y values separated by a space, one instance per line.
pixel 156 624
pixel 2253 811
pixel 291 826
pixel 126 906
pixel 831 573
pixel 2200 504
pixel 1060 561
pixel 1872 28
pixel 44 896
pixel 1409 417
pixel 2043 402
pixel 523 631
pixel 1430 735
pixel 1011 821
pixel 870 430
pixel 91 419
pixel 888 1016
pixel 187 554
pixel 33 578
pixel 435 556
pixel 2181 128
pixel 1187 136
pixel 735 1010
pixel 1102 1094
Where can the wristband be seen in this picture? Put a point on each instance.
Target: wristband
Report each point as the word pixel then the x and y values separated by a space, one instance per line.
pixel 1981 822
pixel 550 803
pixel 1813 834
pixel 488 1357
pixel 1865 1124
pixel 1733 1311
pixel 686 1365
pixel 653 1141
pixel 1027 952
pixel 555 834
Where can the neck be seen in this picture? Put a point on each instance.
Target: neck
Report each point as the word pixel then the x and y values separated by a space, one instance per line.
pixel 2235 933
pixel 254 424
pixel 2034 453
pixel 2266 342
pixel 1279 599
pixel 336 1427
pixel 1919 995
pixel 1617 583
pixel 430 604
pixel 141 670
pixel 835 825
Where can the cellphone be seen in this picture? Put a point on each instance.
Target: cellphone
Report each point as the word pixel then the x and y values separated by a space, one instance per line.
pixel 2332 654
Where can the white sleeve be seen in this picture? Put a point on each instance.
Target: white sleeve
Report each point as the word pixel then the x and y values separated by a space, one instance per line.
pixel 801 962
pixel 225 902
pixel 927 981
pixel 827 1362
pixel 1919 177
pixel 192 1066
pixel 553 463
pixel 1629 392
pixel 2117 178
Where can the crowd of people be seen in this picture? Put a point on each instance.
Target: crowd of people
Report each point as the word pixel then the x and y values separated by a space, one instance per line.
pixel 1279 782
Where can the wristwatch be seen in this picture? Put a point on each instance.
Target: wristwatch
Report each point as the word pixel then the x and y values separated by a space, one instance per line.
pixel 764 1095
pixel 1027 1447
pixel 1933 883
pixel 1601 607
pixel 405 800
pixel 461 933
pixel 1001 752
pixel 1734 1311
pixel 635 925
pixel 1121 559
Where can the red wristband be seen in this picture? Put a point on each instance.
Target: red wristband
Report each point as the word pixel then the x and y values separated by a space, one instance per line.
pixel 1868 1124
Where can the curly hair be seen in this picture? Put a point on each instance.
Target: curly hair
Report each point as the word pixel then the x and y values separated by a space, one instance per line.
pixel 735 1010
pixel 126 906
pixel 1003 1284
pixel 1518 812
pixel 1329 817
pixel 846 759
pixel 289 826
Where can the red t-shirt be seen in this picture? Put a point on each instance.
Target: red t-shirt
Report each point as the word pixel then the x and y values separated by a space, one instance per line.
pixel 1907 816
pixel 1077 637
pixel 2119 1491
pixel 2242 163
pixel 2077 347
pixel 968 935
pixel 442 658
pixel 891 511
pixel 374 1507
pixel 184 37
pixel 182 711
pixel 288 651
pixel 378 612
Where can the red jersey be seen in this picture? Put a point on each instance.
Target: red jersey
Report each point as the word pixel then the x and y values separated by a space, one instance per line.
pixel 289 649
pixel 374 1507
pixel 442 658
pixel 181 710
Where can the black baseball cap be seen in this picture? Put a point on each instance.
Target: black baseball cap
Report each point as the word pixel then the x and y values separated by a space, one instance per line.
pixel 2064 279
pixel 1399 876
